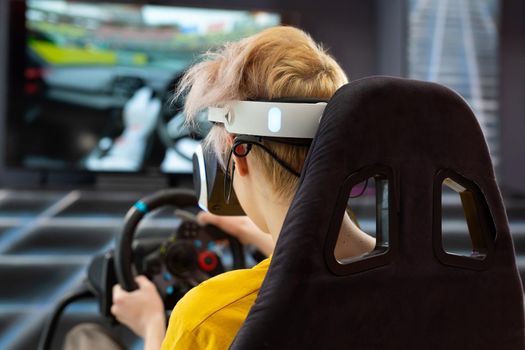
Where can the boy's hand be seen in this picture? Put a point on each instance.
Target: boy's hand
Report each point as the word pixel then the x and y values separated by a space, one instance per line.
pixel 141 310
pixel 242 228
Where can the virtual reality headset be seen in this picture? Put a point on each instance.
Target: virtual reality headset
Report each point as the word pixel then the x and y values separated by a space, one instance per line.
pixel 294 120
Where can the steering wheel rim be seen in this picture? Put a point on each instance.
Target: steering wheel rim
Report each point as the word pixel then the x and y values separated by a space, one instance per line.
pixel 123 247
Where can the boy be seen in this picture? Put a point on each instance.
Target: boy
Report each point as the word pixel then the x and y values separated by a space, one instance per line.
pixel 280 62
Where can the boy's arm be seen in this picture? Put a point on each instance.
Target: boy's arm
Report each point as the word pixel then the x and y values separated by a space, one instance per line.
pixel 142 311
pixel 155 334
pixel 242 228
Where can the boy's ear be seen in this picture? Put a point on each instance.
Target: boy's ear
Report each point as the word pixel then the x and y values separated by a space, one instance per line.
pixel 240 162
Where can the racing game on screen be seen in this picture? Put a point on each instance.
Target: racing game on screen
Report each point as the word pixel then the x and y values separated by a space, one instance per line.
pixel 99 80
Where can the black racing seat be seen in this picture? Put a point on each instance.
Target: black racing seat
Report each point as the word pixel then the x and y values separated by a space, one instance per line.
pixel 413 295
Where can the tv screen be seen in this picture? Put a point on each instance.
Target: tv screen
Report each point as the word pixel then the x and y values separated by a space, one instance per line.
pixel 90 83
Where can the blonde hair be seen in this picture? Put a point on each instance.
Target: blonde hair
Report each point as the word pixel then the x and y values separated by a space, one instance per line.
pixel 279 62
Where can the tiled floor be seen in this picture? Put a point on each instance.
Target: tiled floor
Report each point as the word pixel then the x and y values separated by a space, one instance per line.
pixel 47 239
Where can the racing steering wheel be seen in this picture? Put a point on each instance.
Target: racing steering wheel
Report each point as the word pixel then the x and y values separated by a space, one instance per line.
pixel 184 260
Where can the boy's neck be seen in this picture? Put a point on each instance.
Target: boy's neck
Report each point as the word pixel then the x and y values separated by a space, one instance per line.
pixel 351 241
pixel 275 215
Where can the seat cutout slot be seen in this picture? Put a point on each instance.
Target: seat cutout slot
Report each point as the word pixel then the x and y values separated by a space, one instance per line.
pixel 364 228
pixel 464 230
pixel 363 238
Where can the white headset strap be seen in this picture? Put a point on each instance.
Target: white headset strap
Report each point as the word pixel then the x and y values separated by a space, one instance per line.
pixel 272 119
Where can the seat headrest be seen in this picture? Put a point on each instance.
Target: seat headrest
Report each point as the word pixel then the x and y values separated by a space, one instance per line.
pixel 415 134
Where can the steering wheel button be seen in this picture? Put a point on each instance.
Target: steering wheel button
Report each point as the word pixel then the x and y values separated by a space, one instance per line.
pixel 166 276
pixel 211 245
pixel 208 261
pixel 169 290
pixel 198 243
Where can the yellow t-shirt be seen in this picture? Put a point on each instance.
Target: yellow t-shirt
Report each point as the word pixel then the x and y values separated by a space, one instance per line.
pixel 210 315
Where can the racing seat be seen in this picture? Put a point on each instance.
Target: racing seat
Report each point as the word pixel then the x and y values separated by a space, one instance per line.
pixel 409 293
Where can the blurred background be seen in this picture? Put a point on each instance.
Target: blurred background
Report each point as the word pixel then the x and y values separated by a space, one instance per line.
pixel 88 126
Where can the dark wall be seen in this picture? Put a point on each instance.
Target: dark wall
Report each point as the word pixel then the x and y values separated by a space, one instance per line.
pixel 512 96
pixel 3 72
pixel 347 28
pixel 392 29
pixel 365 36
pixel 13 177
